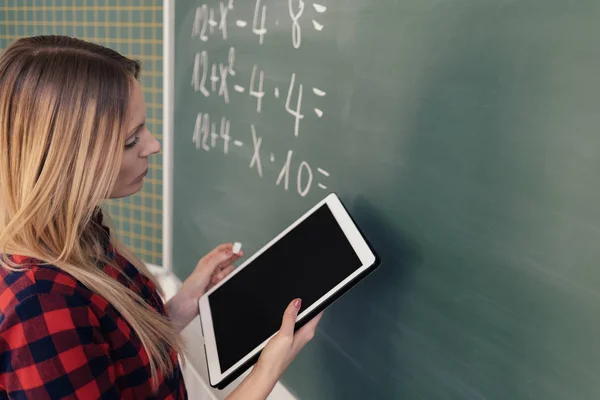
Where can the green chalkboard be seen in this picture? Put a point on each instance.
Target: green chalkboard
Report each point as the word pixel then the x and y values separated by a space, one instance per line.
pixel 464 137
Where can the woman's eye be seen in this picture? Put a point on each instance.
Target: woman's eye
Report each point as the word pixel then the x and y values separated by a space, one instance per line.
pixel 132 143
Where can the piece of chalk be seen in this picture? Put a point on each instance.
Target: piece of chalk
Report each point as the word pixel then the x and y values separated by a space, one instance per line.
pixel 237 246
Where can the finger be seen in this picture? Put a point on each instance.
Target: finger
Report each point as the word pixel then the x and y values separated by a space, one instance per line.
pixel 309 329
pixel 289 318
pixel 219 256
pixel 218 277
pixel 220 249
pixel 306 333
pixel 224 247
pixel 230 261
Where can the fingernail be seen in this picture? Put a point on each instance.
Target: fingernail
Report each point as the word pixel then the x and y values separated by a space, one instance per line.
pixel 298 303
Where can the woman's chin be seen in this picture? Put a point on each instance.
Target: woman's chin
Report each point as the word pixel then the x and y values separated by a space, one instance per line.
pixel 132 189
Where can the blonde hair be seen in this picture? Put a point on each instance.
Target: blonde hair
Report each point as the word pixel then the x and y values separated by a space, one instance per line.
pixel 63 104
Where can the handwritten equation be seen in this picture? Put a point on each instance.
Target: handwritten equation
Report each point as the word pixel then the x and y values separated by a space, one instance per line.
pixel 210 135
pixel 205 24
pixel 214 79
pixel 219 79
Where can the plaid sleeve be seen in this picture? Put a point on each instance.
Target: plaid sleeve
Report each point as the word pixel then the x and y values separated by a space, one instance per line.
pixel 51 347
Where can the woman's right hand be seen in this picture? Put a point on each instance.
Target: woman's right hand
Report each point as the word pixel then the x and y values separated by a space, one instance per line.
pixel 281 350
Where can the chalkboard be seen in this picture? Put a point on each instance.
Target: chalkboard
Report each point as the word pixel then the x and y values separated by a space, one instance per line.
pixel 463 136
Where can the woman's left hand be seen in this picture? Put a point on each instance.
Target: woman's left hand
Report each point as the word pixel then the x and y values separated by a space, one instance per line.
pixel 209 271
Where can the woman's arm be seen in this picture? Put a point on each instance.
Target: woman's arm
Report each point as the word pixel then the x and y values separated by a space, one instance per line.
pixel 256 386
pixel 54 349
pixel 281 349
pixel 182 309
pixel 276 356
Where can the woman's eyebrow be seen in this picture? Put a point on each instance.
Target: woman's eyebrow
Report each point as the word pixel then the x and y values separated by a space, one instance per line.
pixel 137 128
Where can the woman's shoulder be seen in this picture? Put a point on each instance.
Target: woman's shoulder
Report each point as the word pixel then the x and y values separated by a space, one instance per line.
pixel 36 279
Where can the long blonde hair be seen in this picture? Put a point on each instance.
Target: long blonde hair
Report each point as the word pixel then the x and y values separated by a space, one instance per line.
pixel 63 104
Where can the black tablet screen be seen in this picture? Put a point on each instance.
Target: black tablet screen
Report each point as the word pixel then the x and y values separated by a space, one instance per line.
pixel 307 262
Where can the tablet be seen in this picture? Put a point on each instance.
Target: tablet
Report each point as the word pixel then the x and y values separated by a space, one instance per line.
pixel 317 258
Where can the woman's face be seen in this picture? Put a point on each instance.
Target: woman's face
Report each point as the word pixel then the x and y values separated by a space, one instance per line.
pixel 139 144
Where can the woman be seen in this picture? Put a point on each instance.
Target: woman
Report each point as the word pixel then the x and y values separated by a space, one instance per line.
pixel 80 316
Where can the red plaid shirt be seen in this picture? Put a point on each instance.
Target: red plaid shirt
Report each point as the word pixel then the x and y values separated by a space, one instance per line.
pixel 60 340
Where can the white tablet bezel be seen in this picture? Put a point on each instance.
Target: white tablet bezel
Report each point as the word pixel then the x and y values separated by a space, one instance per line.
pixel 356 240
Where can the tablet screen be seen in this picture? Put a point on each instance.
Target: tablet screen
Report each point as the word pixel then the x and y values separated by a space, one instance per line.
pixel 308 262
